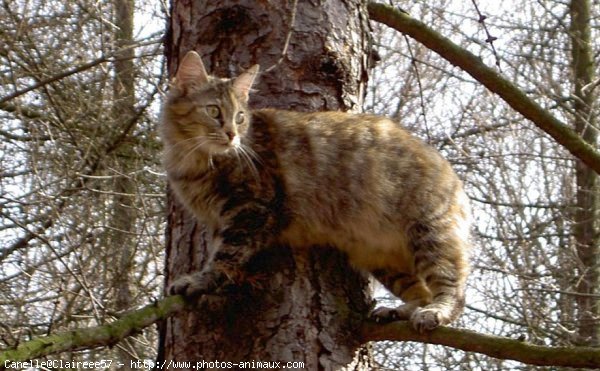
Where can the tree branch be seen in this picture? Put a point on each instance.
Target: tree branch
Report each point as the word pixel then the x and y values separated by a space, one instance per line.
pixel 493 346
pixel 74 70
pixel 473 65
pixel 88 338
pixel 470 341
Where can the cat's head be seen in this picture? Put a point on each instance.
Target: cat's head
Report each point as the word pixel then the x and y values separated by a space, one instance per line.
pixel 206 113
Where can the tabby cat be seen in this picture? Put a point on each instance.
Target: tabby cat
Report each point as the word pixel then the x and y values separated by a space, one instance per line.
pixel 358 182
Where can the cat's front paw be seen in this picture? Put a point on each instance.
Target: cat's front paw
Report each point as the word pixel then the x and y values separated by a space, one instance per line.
pixel 425 319
pixel 385 315
pixel 191 285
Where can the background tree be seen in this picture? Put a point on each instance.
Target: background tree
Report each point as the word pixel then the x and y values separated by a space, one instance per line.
pixel 80 198
pixel 587 215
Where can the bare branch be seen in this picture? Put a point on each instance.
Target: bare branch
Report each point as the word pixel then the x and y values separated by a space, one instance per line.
pixel 471 341
pixel 494 346
pixel 88 338
pixel 72 71
pixel 491 79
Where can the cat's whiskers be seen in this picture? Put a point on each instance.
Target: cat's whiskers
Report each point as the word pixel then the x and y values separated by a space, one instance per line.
pixel 244 154
pixel 247 155
pixel 196 147
pixel 175 145
pixel 250 152
pixel 237 156
pixel 211 165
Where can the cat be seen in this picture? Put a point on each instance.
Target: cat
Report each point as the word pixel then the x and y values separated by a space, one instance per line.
pixel 358 182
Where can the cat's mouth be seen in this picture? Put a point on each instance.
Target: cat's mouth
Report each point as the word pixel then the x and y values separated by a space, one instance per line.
pixel 225 144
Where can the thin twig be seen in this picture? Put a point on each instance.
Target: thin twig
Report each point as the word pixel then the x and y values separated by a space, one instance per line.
pixel 413 62
pixel 489 38
pixel 72 71
pixel 286 44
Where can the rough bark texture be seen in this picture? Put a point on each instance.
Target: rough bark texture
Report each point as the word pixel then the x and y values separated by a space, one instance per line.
pixel 311 304
pixel 587 215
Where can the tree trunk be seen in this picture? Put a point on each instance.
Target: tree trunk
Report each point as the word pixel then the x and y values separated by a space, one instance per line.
pixel 311 304
pixel 587 214
pixel 123 216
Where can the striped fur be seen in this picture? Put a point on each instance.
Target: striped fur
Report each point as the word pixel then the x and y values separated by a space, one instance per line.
pixel 357 182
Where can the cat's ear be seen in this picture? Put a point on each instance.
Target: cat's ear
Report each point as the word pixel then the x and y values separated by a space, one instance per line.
pixel 243 83
pixel 191 72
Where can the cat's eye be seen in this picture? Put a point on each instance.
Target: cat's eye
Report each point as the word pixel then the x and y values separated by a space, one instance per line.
pixel 239 117
pixel 213 111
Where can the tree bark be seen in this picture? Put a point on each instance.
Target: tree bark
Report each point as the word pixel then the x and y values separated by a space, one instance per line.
pixel 312 302
pixel 587 214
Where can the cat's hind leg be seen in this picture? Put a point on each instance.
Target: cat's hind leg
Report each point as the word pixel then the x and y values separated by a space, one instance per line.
pixel 409 288
pixel 440 252
pixel 433 294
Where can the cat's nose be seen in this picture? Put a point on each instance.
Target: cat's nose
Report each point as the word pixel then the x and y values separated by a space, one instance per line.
pixel 230 135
